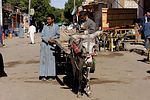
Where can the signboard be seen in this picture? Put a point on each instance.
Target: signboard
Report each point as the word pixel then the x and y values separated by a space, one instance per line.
pixel 131 4
pixel 32 11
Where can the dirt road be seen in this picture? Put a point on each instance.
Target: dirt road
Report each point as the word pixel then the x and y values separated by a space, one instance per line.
pixel 118 76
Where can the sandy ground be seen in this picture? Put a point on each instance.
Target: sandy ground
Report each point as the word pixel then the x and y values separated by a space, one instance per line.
pixel 118 76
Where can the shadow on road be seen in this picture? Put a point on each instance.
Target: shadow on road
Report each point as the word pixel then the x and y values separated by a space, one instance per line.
pixel 148 71
pixel 144 60
pixel 138 43
pixel 68 81
pixel 14 63
pixel 138 51
pixel 104 81
pixel 59 81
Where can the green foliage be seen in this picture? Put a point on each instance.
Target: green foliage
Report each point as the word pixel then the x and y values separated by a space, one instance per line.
pixel 69 5
pixel 41 7
pixel 69 8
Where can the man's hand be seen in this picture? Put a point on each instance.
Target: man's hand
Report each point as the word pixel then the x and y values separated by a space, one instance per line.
pixel 52 41
pixel 83 26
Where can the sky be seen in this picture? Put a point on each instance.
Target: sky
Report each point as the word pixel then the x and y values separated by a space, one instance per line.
pixel 58 3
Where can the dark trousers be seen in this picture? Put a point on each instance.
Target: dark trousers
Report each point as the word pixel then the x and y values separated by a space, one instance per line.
pixel 2 72
pixel 1 40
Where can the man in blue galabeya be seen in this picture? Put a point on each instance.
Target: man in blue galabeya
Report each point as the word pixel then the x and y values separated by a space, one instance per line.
pixel 49 33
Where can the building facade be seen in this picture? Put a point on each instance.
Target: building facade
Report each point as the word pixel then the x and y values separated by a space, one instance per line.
pixel 146 4
pixel 141 5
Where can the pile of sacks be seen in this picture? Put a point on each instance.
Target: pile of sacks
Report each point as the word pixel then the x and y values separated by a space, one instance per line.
pixel 66 34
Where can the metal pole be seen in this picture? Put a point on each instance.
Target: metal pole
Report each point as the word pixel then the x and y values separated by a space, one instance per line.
pixel 1 14
pixel 29 12
pixel 1 23
pixel 74 4
pixel 29 6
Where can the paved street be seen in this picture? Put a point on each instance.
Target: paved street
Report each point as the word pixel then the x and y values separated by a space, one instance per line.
pixel 118 76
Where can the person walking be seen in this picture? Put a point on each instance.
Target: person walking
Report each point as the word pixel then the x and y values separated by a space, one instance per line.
pixel 145 18
pixel 49 33
pixel 21 31
pixel 146 30
pixel 31 31
pixel 143 21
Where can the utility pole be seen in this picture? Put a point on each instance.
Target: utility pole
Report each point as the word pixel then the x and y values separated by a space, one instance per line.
pixel 74 3
pixel 1 23
pixel 1 14
pixel 29 7
pixel 29 12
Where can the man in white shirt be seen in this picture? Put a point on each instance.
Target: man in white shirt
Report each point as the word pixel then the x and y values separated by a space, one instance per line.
pixel 31 31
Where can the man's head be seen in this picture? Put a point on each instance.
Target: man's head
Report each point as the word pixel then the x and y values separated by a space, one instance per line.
pixel 147 13
pixel 50 19
pixel 83 15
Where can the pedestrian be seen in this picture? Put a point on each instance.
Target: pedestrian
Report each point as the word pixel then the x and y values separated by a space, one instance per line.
pixel 31 31
pixel 146 31
pixel 2 72
pixel 49 33
pixel 143 20
pixel 21 31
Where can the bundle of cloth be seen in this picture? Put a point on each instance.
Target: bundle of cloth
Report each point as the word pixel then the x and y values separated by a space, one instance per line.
pixel 65 36
pixel 62 42
pixel 88 40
